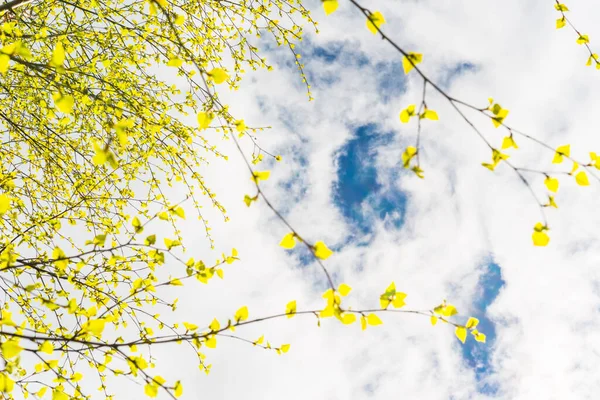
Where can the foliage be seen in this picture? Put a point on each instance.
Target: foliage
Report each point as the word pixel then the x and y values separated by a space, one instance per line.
pixel 92 137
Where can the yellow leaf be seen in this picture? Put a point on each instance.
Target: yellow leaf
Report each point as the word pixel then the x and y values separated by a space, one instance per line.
pixel 179 20
pixel 472 323
pixel 23 51
pixel 440 308
pixel 497 120
pixel 373 319
pixel 384 301
pixel 508 141
pixel 551 184
pixel 374 22
pixel 285 348
pixel 211 342
pixel 259 340
pixel 560 152
pixel 151 389
pixel 288 241
pixel 179 211
pixel 583 39
pixel 560 7
pixel 348 318
pixel 489 166
pixel 150 240
pixel 7 318
pixel 363 322
pixel 582 179
pixel 218 75
pixel 58 394
pixel 64 102
pixel 248 200
pixel 51 305
pixel 449 310
pixel 552 202
pixel 4 63
pixel 561 22
pixel 178 389
pixel 260 175
pixel 204 119
pixel 171 243
pixel 58 55
pixel 258 158
pixel 7 384
pixel 90 312
pixel 175 282
pixel 60 260
pixel 329 295
pixel 408 154
pixel 95 326
pixel 591 58
pixel 99 240
pixel 11 348
pixel 398 302
pixel 46 347
pixel 344 289
pixel 461 333
pixel 430 114
pixel 390 290
pixel 4 203
pixel 575 168
pixel 214 325
pixel 175 62
pixel 498 156
pixel 407 65
pixel 125 123
pixel 480 337
pixel 240 125
pixel 418 171
pixel 540 238
pixel 322 251
pixel 100 155
pixel 330 6
pixel 190 327
pixel 433 319
pixel 241 314
pixel 407 113
pixel 10 48
pixel 327 312
pixel 290 308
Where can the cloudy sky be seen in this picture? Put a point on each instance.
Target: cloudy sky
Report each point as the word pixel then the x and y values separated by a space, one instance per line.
pixel 461 234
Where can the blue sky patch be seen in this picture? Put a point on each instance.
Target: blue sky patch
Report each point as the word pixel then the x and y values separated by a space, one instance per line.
pixel 476 355
pixel 335 52
pixel 390 79
pixel 454 71
pixel 358 194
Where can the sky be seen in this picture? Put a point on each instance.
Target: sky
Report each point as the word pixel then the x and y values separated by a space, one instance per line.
pixel 462 234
